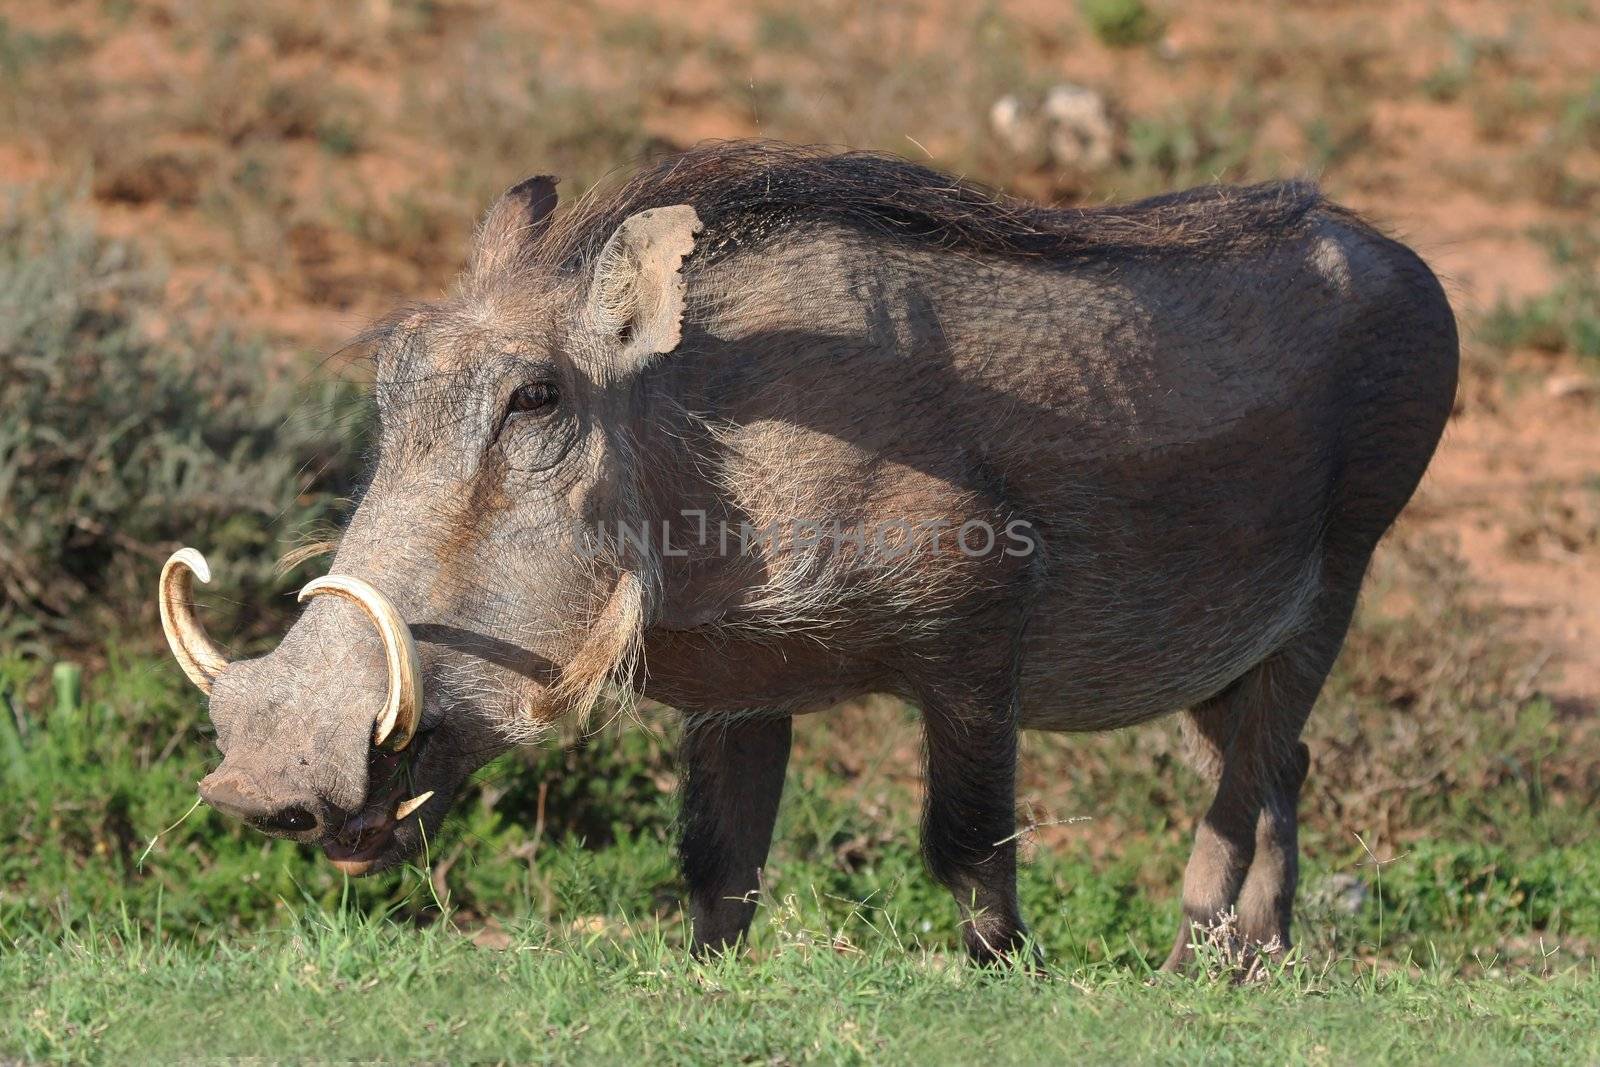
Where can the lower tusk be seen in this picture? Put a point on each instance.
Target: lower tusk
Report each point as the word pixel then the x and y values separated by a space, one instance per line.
pixel 411 805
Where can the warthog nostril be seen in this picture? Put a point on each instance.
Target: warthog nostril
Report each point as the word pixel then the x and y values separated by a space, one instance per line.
pixel 238 796
pixel 290 820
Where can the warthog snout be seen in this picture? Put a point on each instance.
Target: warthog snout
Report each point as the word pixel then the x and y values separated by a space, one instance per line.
pixel 237 795
pixel 317 732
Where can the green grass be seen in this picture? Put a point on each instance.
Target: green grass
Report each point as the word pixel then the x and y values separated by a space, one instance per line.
pixel 330 986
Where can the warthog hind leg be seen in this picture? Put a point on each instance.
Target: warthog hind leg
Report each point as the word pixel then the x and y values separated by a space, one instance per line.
pixel 1247 740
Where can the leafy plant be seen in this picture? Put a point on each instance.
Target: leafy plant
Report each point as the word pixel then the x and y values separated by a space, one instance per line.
pixel 1191 144
pixel 1121 23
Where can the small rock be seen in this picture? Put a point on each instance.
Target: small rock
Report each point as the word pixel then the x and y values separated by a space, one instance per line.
pixel 1561 386
pixel 1070 127
pixel 1013 126
pixel 1346 893
pixel 1081 134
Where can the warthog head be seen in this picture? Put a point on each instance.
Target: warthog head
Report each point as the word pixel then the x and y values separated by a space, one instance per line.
pixel 468 603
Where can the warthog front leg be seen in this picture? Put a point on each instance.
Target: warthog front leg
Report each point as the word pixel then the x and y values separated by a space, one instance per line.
pixel 733 778
pixel 969 822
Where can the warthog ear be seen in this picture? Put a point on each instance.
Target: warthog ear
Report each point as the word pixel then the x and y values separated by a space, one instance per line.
pixel 637 293
pixel 519 216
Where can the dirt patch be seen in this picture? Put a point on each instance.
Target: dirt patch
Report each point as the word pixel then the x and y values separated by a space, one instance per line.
pixel 1517 488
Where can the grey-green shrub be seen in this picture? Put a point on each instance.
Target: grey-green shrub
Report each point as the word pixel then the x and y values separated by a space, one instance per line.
pixel 115 447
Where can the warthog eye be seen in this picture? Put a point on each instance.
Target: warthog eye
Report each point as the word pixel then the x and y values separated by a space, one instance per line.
pixel 535 398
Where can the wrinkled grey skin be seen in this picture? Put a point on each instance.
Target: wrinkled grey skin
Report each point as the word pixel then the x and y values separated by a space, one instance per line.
pixel 1206 444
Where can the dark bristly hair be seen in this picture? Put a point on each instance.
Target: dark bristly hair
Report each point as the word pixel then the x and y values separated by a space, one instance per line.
pixel 747 192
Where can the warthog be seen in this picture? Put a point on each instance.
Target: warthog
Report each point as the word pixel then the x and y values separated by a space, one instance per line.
pixel 766 428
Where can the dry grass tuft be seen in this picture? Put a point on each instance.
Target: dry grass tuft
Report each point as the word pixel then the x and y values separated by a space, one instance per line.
pixel 1222 953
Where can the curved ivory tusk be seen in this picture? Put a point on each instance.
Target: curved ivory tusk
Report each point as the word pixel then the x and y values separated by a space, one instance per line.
pixel 397 722
pixel 195 652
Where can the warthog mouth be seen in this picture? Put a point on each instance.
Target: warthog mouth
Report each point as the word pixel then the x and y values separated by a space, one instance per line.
pixel 368 837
